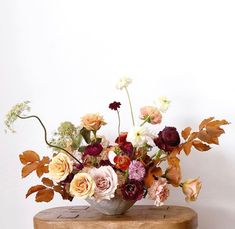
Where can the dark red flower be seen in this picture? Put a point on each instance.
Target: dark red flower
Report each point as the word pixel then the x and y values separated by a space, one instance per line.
pixel 121 138
pixel 114 105
pixel 122 162
pixel 127 149
pixel 132 190
pixel 93 150
pixel 167 139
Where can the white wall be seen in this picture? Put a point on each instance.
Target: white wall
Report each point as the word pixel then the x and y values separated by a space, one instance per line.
pixel 65 56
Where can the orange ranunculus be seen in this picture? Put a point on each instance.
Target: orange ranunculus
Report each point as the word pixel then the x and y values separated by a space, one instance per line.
pixel 191 188
pixel 122 162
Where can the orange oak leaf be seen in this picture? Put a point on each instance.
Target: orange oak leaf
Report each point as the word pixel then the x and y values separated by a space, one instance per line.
pixel 205 137
pixel 35 188
pixel 152 172
pixel 187 147
pixel 29 168
pixel 201 146
pixel 186 132
pixel 28 156
pixel 205 122
pixel 173 172
pixel 44 195
pixel 47 182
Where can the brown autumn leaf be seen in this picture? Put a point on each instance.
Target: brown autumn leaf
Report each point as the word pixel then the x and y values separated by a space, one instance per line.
pixel 65 195
pixel 187 147
pixel 186 132
pixel 151 173
pixel 41 169
pixel 201 146
pixel 173 172
pixel 35 188
pixel 45 160
pixel 218 123
pixel 193 136
pixel 28 156
pixel 205 122
pixel 29 168
pixel 47 182
pixel 214 131
pixel 44 195
pixel 205 137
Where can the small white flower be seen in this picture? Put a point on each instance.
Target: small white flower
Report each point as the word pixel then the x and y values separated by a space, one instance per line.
pixel 123 82
pixel 162 103
pixel 111 156
pixel 138 136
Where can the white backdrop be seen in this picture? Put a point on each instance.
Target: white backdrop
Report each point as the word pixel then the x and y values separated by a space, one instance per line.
pixel 65 56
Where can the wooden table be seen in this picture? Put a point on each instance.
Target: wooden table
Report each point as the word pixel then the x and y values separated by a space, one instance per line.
pixel 138 217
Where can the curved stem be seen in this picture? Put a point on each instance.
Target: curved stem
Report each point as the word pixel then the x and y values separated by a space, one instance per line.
pixel 119 123
pixel 129 99
pixel 45 136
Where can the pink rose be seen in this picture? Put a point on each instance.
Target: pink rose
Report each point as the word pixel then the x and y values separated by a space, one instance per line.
pixel 151 113
pixel 159 191
pixel 191 188
pixel 106 182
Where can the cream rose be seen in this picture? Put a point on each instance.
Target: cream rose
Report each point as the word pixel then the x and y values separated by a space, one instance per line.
pixel 191 188
pixel 82 186
pixel 106 181
pixel 60 167
pixel 92 122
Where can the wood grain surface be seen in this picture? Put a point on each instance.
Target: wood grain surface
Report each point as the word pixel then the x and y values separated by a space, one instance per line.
pixel 138 217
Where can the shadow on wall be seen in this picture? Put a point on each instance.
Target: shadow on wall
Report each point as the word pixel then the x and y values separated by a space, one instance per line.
pixel 215 218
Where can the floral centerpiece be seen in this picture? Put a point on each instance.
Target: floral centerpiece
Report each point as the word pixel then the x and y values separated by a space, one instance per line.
pixel 113 176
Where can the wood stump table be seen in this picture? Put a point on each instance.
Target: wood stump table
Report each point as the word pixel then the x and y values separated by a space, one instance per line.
pixel 149 217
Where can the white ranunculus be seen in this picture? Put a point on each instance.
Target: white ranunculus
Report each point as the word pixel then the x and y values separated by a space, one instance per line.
pixel 111 156
pixel 138 136
pixel 162 103
pixel 106 182
pixel 60 167
pixel 123 82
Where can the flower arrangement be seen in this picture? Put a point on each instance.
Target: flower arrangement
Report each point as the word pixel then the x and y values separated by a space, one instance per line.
pixel 85 165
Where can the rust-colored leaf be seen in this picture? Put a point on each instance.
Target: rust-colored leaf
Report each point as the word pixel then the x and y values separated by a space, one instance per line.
pixel 41 169
pixel 193 136
pixel 173 172
pixel 45 195
pixel 65 195
pixel 29 168
pixel 186 132
pixel 205 137
pixel 35 188
pixel 45 160
pixel 187 147
pixel 214 131
pixel 205 122
pixel 28 156
pixel 47 182
pixel 200 146
pixel 151 174
pixel 218 123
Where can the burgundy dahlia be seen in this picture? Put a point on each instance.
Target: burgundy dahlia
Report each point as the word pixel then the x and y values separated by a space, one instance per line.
pixel 132 190
pixel 121 138
pixel 114 105
pixel 93 150
pixel 167 139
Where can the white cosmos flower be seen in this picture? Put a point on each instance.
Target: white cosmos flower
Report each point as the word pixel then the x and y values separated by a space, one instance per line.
pixel 111 156
pixel 162 103
pixel 123 82
pixel 138 135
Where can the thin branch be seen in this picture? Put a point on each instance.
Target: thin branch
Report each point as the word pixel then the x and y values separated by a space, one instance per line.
pixel 45 136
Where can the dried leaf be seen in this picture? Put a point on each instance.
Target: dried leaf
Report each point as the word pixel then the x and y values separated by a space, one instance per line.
pixel 47 182
pixel 187 147
pixel 28 156
pixel 185 133
pixel 45 160
pixel 205 122
pixel 193 136
pixel 214 131
pixel 35 188
pixel 151 174
pixel 41 169
pixel 29 168
pixel 200 146
pixel 205 137
pixel 65 195
pixel 45 195
pixel 218 123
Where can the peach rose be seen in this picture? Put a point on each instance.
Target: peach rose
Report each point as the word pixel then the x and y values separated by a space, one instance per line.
pixel 92 122
pixel 82 186
pixel 60 167
pixel 191 188
pixel 152 113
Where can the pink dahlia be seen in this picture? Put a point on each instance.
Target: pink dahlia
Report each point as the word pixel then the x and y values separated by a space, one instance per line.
pixel 136 170
pixel 159 191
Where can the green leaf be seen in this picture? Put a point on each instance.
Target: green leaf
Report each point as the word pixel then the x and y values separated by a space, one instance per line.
pixel 86 134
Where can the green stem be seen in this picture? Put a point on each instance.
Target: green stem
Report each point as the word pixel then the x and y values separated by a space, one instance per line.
pixel 45 136
pixel 119 123
pixel 129 99
pixel 147 119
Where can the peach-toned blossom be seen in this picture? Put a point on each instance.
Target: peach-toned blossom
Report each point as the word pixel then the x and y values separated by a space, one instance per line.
pixel 82 186
pixel 92 122
pixel 152 113
pixel 60 167
pixel 159 191
pixel 191 188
